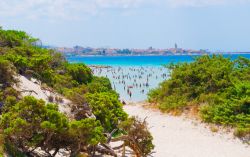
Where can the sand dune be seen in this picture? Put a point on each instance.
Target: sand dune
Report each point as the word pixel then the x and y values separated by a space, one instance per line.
pixel 180 137
pixel 33 85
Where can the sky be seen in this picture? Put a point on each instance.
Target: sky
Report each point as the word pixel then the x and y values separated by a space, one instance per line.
pixel 216 25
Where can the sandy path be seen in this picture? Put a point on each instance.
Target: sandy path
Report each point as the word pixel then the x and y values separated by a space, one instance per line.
pixel 180 137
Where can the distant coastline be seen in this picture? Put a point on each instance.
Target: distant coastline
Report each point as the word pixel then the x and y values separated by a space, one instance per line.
pixel 156 55
pixel 90 51
pixel 143 55
pixel 176 51
pixel 193 54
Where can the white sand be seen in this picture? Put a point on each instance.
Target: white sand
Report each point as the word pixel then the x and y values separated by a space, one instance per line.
pixel 180 137
pixel 173 136
pixel 39 93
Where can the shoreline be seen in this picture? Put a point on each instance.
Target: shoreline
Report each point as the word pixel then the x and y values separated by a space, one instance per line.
pixel 227 53
pixel 139 55
pixel 142 60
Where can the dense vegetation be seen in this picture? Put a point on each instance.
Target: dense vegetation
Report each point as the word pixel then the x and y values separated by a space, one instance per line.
pixel 217 86
pixel 27 123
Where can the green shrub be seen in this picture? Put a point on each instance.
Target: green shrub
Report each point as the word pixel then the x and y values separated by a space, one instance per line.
pixel 219 87
pixel 99 84
pixel 30 123
pixel 173 103
pixel 7 73
pixel 107 109
pixel 80 73
pixel 13 151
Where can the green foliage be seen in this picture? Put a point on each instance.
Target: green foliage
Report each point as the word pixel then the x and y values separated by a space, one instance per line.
pixel 205 75
pixel 77 94
pixel 28 123
pixel 8 97
pixel 7 74
pixel 80 73
pixel 173 102
pixel 19 61
pixel 32 123
pixel 233 110
pixel 1 144
pixel 88 131
pixel 12 38
pixel 23 120
pixel 100 84
pixel 13 151
pixel 137 132
pixel 107 109
pixel 48 66
pixel 18 48
pixel 219 85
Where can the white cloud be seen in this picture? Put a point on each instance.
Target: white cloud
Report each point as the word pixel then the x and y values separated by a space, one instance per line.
pixel 74 9
pixel 203 3
pixel 195 3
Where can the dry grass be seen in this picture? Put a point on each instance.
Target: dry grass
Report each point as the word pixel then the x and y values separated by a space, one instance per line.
pixel 213 128
pixel 175 112
pixel 58 99
pixel 192 111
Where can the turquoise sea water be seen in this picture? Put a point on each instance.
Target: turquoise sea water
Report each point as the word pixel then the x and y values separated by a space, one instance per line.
pixel 138 60
pixel 133 76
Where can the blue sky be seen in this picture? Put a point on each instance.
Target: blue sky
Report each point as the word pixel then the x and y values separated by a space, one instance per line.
pixel 197 24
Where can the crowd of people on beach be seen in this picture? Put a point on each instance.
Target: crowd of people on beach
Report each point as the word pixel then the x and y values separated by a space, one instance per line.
pixel 132 82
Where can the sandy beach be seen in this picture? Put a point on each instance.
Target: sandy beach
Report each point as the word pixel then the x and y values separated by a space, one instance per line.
pixel 182 137
pixel 173 136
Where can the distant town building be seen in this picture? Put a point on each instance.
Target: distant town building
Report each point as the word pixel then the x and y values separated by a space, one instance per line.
pixel 79 50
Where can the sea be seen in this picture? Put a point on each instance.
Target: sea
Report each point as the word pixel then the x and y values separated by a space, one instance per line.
pixel 134 76
pixel 139 60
